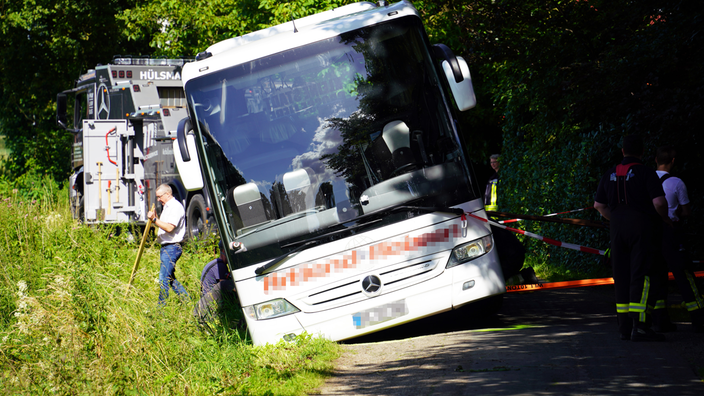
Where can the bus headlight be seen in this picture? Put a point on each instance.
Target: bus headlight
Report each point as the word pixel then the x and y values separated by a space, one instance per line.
pixel 270 309
pixel 470 251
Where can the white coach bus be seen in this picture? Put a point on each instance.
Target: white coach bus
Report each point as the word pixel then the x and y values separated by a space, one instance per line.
pixel 337 173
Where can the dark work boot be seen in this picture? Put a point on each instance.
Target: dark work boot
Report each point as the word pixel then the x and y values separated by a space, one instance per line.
pixel 642 333
pixel 661 321
pixel 529 276
pixel 697 320
pixel 625 326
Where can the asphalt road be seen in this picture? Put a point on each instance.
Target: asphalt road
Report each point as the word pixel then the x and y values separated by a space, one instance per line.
pixel 547 342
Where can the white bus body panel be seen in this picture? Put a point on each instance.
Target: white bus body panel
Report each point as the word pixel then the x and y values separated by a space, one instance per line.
pixel 409 258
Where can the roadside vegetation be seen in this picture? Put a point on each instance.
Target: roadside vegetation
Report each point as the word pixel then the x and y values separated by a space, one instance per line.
pixel 553 271
pixel 66 326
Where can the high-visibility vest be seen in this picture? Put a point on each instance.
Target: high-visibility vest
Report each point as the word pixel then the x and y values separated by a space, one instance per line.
pixel 493 197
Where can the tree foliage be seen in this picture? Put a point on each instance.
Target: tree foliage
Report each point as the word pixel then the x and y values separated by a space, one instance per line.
pixel 44 46
pixel 568 79
pixel 176 28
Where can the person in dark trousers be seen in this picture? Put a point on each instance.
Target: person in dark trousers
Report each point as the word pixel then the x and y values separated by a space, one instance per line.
pixel 631 197
pixel 216 284
pixel 511 252
pixel 171 232
pixel 678 206
pixel 214 272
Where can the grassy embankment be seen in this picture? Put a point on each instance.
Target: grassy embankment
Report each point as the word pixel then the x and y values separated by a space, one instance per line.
pixel 66 326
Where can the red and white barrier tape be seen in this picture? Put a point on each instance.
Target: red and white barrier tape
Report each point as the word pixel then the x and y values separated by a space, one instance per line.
pixel 540 237
pixel 550 241
pixel 547 215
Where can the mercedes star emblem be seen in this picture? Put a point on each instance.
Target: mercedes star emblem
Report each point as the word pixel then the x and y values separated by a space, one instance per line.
pixel 371 285
pixel 103 102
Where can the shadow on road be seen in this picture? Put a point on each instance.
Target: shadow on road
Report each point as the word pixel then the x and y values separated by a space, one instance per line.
pixel 558 342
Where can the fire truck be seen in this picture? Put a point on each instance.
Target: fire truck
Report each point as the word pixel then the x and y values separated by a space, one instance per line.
pixel 124 117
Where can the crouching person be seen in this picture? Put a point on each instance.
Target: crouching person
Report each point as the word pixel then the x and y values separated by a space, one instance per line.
pixel 216 286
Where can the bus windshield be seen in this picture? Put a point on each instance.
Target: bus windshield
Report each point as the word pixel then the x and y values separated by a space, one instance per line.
pixel 307 142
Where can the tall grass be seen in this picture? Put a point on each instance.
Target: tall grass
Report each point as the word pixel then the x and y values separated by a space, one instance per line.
pixel 66 326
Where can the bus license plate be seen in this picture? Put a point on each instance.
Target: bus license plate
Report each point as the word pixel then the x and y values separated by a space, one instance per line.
pixel 380 314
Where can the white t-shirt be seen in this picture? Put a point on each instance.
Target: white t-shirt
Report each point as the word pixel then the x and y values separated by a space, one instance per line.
pixel 173 213
pixel 676 194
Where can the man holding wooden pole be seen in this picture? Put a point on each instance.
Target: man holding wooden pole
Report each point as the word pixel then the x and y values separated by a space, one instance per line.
pixel 170 235
pixel 139 253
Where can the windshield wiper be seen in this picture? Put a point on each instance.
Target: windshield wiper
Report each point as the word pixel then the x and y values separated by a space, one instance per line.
pixel 278 222
pixel 431 209
pixel 274 262
pixel 426 209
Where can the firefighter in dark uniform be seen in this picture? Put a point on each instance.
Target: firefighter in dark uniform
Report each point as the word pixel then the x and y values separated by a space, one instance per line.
pixel 673 254
pixel 630 195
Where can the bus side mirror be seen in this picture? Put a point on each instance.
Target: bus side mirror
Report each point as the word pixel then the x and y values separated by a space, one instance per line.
pixel 61 117
pixel 463 91
pixel 457 75
pixel 187 164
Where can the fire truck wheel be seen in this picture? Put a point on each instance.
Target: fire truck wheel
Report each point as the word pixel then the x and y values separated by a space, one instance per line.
pixel 196 218
pixel 76 202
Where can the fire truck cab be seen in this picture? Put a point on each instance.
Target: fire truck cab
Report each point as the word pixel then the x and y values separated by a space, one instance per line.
pixel 124 115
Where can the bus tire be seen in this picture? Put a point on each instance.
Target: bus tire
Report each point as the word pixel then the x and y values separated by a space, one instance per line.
pixel 486 307
pixel 197 226
pixel 492 305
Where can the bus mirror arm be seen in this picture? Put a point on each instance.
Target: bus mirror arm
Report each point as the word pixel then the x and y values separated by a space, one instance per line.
pixel 445 53
pixel 183 126
pixel 64 126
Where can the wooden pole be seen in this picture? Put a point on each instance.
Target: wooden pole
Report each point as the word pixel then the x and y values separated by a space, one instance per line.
pixel 109 197
pixel 139 252
pixel 100 215
pixel 117 185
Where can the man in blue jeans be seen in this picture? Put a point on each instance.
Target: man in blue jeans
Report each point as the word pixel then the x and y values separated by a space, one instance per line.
pixel 171 232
